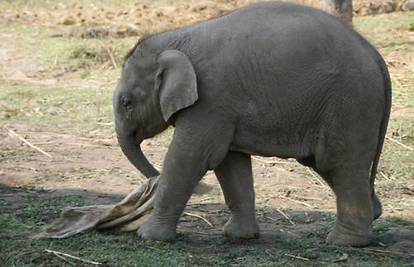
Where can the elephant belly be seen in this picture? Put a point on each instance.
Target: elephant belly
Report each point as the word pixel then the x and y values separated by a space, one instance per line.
pixel 271 142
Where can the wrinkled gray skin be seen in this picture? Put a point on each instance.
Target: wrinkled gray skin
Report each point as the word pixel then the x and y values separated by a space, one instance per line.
pixel 270 79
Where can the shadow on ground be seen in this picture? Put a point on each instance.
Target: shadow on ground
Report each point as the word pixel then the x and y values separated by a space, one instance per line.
pixel 292 239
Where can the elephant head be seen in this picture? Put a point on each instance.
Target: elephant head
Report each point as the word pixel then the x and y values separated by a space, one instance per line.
pixel 153 87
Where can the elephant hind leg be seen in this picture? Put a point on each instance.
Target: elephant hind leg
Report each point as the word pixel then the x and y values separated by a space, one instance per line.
pixel 376 203
pixel 355 206
pixel 310 162
pixel 236 181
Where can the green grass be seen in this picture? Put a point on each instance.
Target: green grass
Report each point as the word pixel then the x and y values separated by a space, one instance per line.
pixel 390 33
pixel 90 56
pixel 35 5
pixel 75 110
pixel 387 30
pixel 123 249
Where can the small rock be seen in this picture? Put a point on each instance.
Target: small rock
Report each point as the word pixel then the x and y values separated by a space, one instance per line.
pixel 53 111
pixel 110 15
pixel 69 21
pixel 39 189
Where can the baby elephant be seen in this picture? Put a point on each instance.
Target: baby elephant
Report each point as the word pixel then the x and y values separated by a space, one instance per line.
pixel 270 79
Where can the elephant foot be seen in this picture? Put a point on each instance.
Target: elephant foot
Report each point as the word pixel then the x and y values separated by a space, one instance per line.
pixel 240 229
pixel 153 230
pixel 345 237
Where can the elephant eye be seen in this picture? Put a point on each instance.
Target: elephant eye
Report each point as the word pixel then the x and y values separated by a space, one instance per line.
pixel 125 101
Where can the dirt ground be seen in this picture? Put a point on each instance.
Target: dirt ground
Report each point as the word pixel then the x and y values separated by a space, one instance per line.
pixel 58 66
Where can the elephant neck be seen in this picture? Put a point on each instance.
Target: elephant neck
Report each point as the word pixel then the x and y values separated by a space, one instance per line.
pixel 171 40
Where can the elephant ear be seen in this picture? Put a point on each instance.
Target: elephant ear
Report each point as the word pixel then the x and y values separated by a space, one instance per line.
pixel 176 82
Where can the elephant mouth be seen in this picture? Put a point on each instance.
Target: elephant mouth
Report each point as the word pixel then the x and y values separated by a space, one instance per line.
pixel 131 147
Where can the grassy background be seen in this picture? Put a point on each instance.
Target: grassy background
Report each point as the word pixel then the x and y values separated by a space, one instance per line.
pixel 191 249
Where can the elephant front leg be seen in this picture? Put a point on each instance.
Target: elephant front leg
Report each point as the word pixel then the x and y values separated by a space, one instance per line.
pixel 176 185
pixel 236 180
pixel 189 157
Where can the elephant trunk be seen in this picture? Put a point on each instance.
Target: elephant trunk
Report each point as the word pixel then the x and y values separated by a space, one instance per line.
pixel 133 152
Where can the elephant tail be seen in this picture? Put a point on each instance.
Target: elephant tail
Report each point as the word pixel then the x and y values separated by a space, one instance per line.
pixel 385 118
